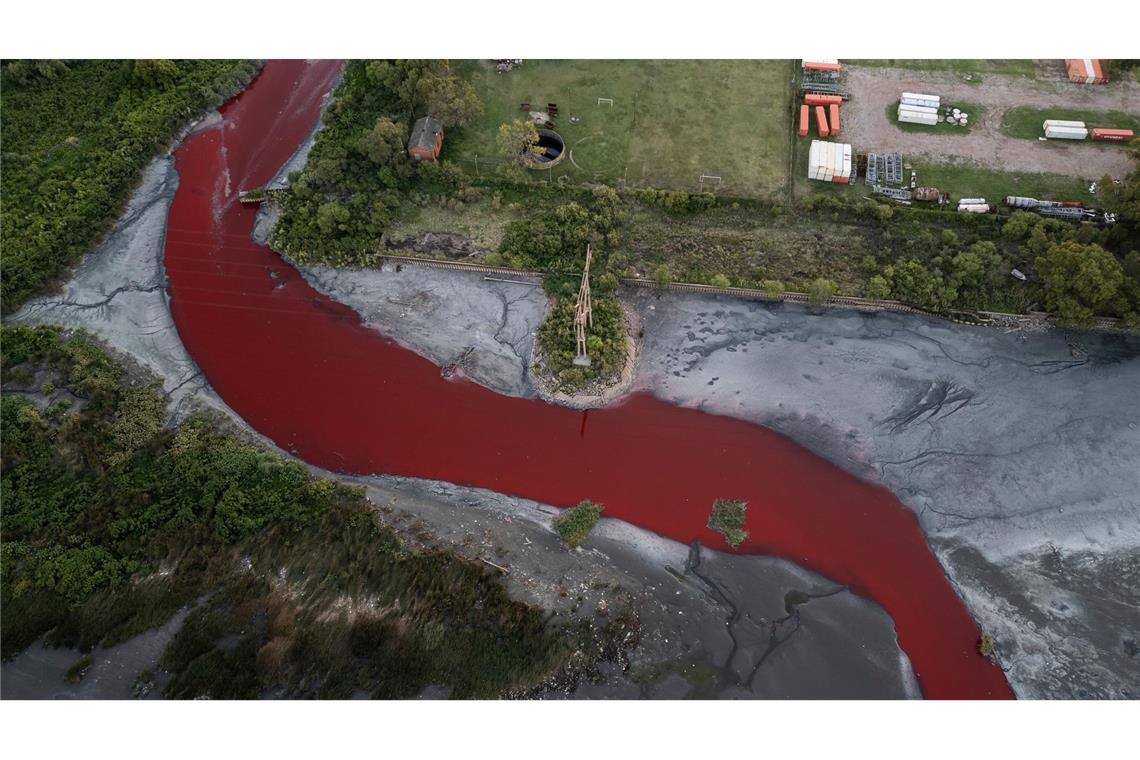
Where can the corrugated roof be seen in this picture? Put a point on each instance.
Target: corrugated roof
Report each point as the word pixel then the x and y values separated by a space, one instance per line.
pixel 424 132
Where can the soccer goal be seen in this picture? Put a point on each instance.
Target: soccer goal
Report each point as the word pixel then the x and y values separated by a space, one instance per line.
pixel 608 101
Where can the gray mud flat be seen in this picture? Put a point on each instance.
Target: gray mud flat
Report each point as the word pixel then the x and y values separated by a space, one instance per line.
pixel 1020 454
pixel 40 672
pixel 713 625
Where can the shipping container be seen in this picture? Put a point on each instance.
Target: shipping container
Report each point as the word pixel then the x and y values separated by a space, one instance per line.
pixel 971 201
pixel 1066 133
pixel 918 109
pixel 918 99
pixel 917 117
pixel 1085 70
pixel 804 120
pixel 1061 123
pixel 821 122
pixel 834 118
pixel 1112 135
pixel 815 99
pixel 829 161
pixel 822 64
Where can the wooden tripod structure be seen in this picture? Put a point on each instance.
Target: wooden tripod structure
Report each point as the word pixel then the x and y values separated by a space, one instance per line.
pixel 583 313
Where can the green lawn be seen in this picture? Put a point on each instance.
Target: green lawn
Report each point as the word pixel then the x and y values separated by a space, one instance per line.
pixel 1025 121
pixel 942 127
pixel 1022 67
pixel 671 120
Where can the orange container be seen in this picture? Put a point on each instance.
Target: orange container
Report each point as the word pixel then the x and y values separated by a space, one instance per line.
pixel 841 180
pixel 821 122
pixel 815 99
pixel 804 118
pixel 834 118
pixel 1113 135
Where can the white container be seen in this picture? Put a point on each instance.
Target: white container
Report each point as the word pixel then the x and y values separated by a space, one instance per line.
pixel 919 109
pixel 974 208
pixel 1066 133
pixel 972 202
pixel 1061 123
pixel 919 99
pixel 912 117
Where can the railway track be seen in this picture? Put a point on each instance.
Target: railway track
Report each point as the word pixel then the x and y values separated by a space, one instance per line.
pixel 979 318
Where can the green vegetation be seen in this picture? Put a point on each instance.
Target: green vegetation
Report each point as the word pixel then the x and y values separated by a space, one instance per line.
pixel 347 194
pixel 1025 121
pixel 986 645
pixel 77 136
pixel 942 127
pixel 78 669
pixel 671 120
pixel 727 518
pixel 575 523
pixel 821 290
pixel 1019 67
pixel 113 521
pixel 1081 280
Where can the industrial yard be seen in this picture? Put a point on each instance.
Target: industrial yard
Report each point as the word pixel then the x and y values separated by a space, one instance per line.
pixel 990 156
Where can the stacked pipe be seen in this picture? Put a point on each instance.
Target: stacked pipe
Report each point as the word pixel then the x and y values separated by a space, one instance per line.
pixel 973 206
pixel 917 108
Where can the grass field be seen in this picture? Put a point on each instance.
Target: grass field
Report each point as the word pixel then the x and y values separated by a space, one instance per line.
pixel 1021 67
pixel 1025 121
pixel 671 120
pixel 942 127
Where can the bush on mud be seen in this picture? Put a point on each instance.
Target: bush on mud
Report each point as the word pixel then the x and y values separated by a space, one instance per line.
pixel 727 518
pixel 574 524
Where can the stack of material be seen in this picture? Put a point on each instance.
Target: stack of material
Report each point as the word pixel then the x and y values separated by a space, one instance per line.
pixel 821 64
pixel 916 108
pixel 1058 129
pixel 1085 71
pixel 830 162
pixel 973 206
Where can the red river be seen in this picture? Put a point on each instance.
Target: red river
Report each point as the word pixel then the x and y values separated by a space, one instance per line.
pixel 304 371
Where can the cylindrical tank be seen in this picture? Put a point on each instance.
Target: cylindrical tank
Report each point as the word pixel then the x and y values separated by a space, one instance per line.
pixel 972 201
pixel 974 208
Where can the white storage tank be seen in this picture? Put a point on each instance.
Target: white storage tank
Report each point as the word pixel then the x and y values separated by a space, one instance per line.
pixel 971 201
pixel 974 208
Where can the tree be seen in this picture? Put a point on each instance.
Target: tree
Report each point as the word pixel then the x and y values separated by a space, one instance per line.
pixel 451 100
pixel 877 288
pixel 720 281
pixel 384 143
pixel 663 277
pixel 332 218
pixel 911 282
pixel 821 290
pixel 1079 280
pixel 518 144
pixel 574 524
pixel 157 72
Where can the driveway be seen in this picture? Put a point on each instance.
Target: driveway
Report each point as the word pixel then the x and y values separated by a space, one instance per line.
pixel 866 126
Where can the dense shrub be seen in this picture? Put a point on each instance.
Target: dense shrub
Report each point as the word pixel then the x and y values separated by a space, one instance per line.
pixel 727 518
pixel 574 524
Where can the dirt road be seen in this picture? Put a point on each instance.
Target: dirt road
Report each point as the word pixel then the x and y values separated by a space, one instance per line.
pixel 866 126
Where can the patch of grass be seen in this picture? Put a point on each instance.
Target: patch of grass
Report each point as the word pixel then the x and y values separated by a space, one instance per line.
pixel 574 524
pixel 1019 67
pixel 942 127
pixel 967 180
pixel 671 120
pixel 1025 121
pixel 727 518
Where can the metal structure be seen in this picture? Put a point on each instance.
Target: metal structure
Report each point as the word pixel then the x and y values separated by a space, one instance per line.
pixel 583 314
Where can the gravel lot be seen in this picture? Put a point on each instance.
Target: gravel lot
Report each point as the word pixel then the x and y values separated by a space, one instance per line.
pixel 866 126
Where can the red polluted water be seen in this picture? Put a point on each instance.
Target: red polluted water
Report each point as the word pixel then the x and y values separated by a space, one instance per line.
pixel 303 370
